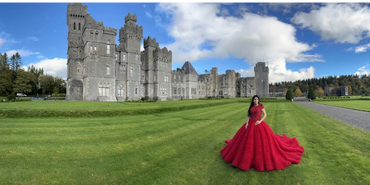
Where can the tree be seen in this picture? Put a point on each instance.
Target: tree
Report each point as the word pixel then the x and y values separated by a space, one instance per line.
pixel 60 83
pixel 206 71
pixel 319 91
pixel 289 94
pixel 34 75
pixel 349 90
pixel 15 64
pixel 298 92
pixel 311 94
pixel 5 75
pixel 21 84
pixel 46 83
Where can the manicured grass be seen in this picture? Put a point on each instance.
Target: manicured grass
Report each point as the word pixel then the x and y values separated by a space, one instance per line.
pixel 363 105
pixel 96 109
pixel 179 147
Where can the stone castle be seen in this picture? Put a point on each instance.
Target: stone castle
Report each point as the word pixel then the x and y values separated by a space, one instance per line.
pixel 99 70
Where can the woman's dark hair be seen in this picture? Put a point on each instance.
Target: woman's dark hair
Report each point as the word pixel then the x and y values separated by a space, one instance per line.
pixel 252 104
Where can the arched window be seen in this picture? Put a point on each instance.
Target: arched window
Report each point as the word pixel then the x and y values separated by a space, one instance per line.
pixel 108 69
pixel 79 26
pixel 120 90
pixel 74 26
pixel 108 48
pixel 124 57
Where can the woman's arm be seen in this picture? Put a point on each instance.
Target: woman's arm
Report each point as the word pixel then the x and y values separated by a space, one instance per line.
pixel 246 125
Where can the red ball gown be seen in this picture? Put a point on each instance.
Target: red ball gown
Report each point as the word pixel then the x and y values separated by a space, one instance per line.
pixel 258 147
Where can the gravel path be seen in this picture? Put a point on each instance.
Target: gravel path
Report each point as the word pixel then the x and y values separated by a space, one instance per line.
pixel 359 119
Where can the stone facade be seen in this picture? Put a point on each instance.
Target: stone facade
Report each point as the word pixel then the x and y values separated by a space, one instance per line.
pixel 100 70
pixel 336 91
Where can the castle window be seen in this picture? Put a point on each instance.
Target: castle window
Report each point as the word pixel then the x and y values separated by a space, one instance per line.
pixel 108 70
pixel 108 48
pixel 74 26
pixel 104 89
pixel 116 56
pixel 179 90
pixel 137 57
pixel 124 57
pixel 131 70
pixel 79 26
pixel 174 90
pixel 120 90
pixel 136 90
pixel 155 77
pixel 91 48
pixel 96 33
pixel 95 48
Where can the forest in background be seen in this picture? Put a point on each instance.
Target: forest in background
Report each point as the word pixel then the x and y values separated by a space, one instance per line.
pixel 357 85
pixel 31 81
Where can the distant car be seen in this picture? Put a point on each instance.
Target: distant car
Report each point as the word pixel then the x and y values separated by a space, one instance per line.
pixel 21 94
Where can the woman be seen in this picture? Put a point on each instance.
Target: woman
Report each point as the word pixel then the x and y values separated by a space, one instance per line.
pixel 256 146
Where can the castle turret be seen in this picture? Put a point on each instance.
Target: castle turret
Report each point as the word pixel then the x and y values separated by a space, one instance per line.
pixel 131 34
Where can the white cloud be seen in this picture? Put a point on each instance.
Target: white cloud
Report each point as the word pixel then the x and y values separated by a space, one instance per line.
pixel 56 67
pixel 199 33
pixel 6 38
pixel 22 53
pixel 344 23
pixel 359 49
pixel 2 41
pixel 148 14
pixel 363 71
pixel 245 72
pixel 33 39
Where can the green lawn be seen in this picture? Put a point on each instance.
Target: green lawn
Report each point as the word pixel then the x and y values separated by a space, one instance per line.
pixel 363 105
pixel 180 147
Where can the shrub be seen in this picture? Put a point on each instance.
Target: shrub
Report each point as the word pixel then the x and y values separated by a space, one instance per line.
pixel 58 95
pixel 311 94
pixel 289 95
pixel 11 97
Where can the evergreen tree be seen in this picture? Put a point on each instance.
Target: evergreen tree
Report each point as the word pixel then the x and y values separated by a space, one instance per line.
pixel 289 94
pixel 311 94
pixel 5 75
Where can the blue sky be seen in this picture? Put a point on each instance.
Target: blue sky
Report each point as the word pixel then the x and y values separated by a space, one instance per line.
pixel 297 40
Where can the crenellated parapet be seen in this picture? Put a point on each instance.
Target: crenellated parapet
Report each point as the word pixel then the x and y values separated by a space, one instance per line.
pixel 76 10
pixel 150 42
pixel 130 17
pixel 163 55
pixel 110 31
pixel 135 30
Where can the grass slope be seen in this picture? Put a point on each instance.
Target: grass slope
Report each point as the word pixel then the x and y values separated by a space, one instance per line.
pixel 179 147
pixel 363 105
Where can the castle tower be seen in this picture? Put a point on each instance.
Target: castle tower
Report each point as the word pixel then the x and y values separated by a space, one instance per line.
pixel 150 68
pixel 75 21
pixel 261 72
pixel 130 36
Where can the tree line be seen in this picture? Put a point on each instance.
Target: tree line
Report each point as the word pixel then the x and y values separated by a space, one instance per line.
pixel 357 85
pixel 14 79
